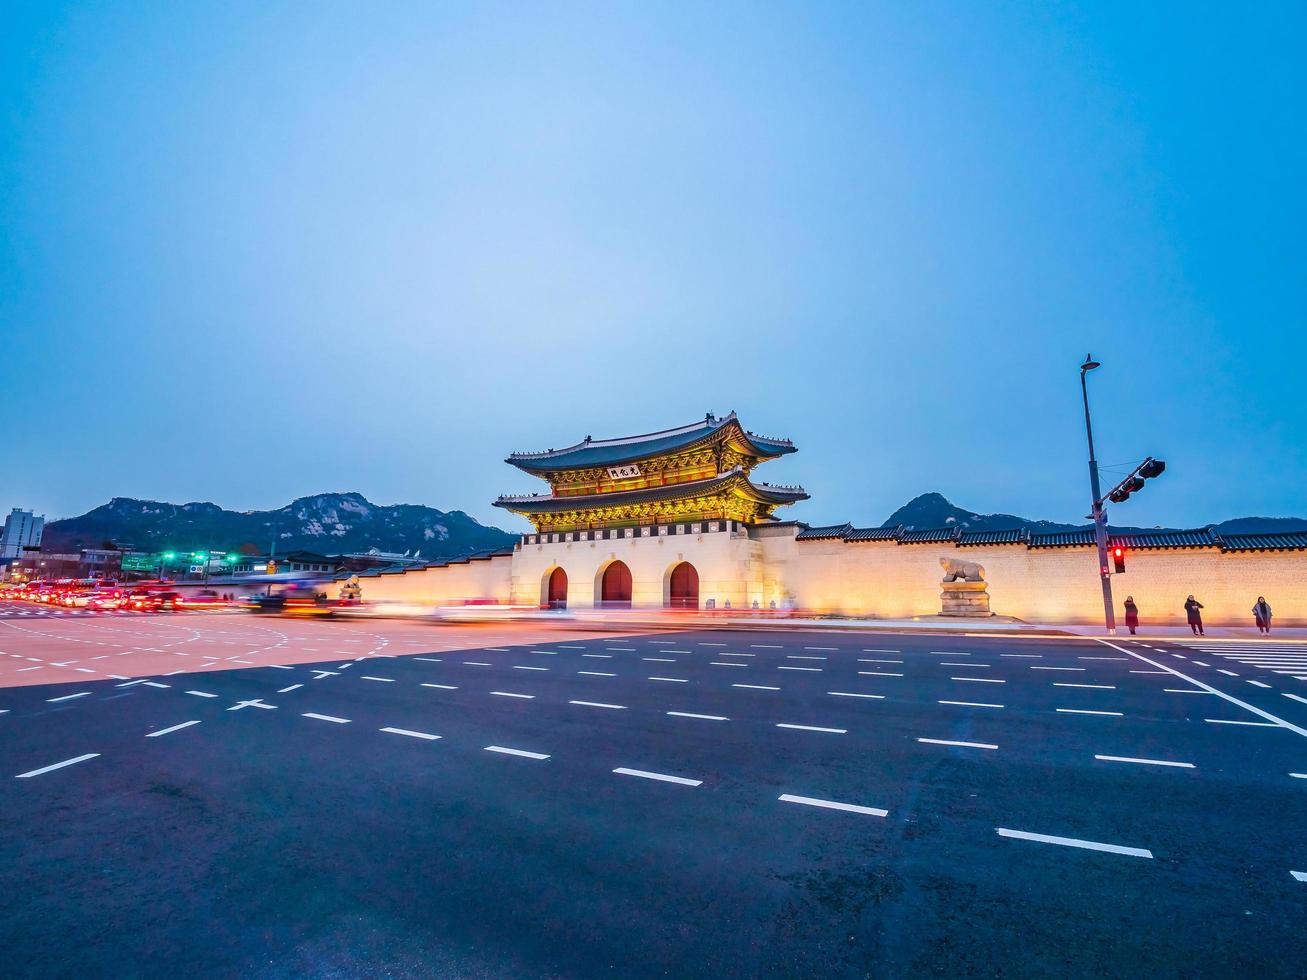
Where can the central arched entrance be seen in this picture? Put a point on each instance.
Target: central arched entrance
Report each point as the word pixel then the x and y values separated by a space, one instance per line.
pixel 615 588
pixel 556 590
pixel 684 587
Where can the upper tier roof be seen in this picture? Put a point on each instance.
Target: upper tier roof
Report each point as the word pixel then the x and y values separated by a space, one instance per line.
pixel 613 452
pixel 734 480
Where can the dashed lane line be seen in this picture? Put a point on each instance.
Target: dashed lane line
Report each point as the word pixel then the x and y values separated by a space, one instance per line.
pixel 174 728
pixel 1228 697
pixel 411 734
pixel 1296 697
pixel 671 680
pixel 57 765
pixel 67 697
pixel 1299 875
pixel 962 745
pixel 330 718
pixel 973 704
pixel 979 680
pixel 853 694
pixel 522 667
pixel 722 663
pixel 599 704
pixel 870 811
pixel 757 687
pixel 202 694
pixel 1096 687
pixel 511 694
pixel 384 680
pixel 286 690
pixel 1144 762
pixel 811 670
pixel 660 777
pixel 1259 684
pixel 689 714
pixel 1086 711
pixel 595 673
pixel 522 753
pixel 1088 845
pixel 443 687
pixel 1248 724
pixel 813 728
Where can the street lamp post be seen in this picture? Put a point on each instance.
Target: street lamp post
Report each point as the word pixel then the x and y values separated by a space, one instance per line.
pixel 1100 517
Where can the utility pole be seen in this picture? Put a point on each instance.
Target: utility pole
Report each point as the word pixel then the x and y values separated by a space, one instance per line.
pixel 1100 517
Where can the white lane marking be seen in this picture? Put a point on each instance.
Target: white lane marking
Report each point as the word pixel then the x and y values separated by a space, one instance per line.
pixel 1144 762
pixel 979 680
pixel 154 684
pixel 659 660
pixel 202 694
pixel 37 667
pixel 675 651
pixel 712 644
pixel 521 667
pixel 595 673
pixel 870 811
pixel 386 680
pixel 965 745
pixel 510 694
pixel 873 660
pixel 972 704
pixel 1126 659
pixel 293 687
pixel 1259 684
pixel 1249 724
pixel 1097 687
pixel 829 649
pixel 1199 663
pixel 1080 669
pixel 568 646
pixel 767 646
pixel 874 673
pixel 799 656
pixel 1227 673
pixel 1148 671
pixel 673 680
pixel 688 714
pixel 1085 711
pixel 1228 697
pixel 757 687
pixel 255 703
pixel 429 660
pixel 443 687
pixel 622 649
pixel 679 780
pixel 943 664
pixel 598 656
pixel 1088 845
pixel 1296 697
pixel 851 694
pixel 1181 690
pixel 57 765
pixel 813 728
pixel 475 663
pixel 598 704
pixel 948 653
pixel 405 731
pixel 331 718
pixel 1299 875
pixel 1023 656
pixel 810 670
pixel 873 650
pixel 66 697
pixel 722 663
pixel 174 728
pixel 502 750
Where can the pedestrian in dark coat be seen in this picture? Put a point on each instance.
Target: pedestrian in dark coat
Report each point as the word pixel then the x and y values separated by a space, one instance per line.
pixel 1262 614
pixel 1191 607
pixel 1131 614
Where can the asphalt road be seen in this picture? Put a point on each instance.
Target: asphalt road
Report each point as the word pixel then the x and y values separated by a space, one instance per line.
pixel 696 804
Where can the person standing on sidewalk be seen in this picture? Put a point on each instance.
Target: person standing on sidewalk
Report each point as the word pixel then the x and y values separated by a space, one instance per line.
pixel 1131 614
pixel 1191 607
pixel 1262 614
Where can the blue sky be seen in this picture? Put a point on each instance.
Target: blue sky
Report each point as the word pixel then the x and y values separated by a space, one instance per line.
pixel 251 251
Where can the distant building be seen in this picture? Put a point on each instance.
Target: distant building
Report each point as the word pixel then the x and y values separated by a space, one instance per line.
pixel 293 561
pixel 22 531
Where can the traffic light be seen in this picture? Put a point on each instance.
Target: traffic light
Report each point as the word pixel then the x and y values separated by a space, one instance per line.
pixel 1133 483
pixel 1118 559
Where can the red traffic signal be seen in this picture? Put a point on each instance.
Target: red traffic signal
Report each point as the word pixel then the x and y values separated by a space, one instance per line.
pixel 1118 558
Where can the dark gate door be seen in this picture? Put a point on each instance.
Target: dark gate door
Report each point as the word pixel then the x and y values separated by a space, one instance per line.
pixel 616 589
pixel 685 587
pixel 558 589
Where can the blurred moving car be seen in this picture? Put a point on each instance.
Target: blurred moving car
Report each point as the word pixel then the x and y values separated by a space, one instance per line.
pixel 292 599
pixel 204 599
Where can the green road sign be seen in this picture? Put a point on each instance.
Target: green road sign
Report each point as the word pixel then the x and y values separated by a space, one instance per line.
pixel 140 563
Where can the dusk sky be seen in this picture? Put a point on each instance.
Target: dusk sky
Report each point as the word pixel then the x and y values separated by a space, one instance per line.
pixel 254 251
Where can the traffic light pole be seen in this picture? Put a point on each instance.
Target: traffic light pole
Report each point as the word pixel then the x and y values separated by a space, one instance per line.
pixel 1100 518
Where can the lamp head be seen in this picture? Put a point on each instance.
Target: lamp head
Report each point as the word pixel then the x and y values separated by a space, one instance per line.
pixel 1089 364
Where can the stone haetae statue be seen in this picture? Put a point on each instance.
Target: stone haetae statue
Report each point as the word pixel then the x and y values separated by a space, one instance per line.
pixel 965 592
pixel 967 571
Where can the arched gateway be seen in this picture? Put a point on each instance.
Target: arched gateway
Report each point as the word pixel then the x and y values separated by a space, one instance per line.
pixel 683 591
pixel 556 590
pixel 615 587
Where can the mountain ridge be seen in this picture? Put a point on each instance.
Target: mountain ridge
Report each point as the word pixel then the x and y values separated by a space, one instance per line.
pixel 341 522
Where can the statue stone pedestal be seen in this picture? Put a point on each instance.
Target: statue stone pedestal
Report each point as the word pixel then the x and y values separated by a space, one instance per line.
pixel 964 599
